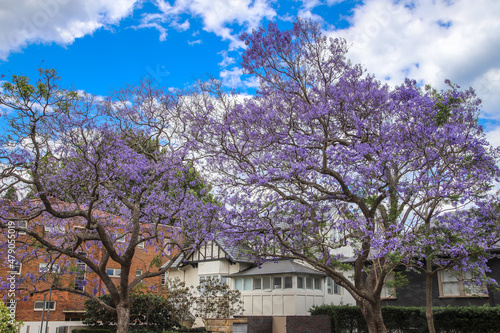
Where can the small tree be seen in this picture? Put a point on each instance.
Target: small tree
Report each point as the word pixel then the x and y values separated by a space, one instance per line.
pixel 8 324
pixel 180 299
pixel 217 300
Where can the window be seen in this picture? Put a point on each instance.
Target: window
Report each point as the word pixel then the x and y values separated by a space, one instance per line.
pixel 16 268
pixel 332 287
pixel 288 282
pixel 277 282
pixel 309 282
pixel 48 268
pixel 266 283
pixel 257 284
pixel 140 245
pixel 452 284
pixel 247 284
pixel 54 228
pixel 223 280
pixel 317 283
pixel 238 284
pixel 48 305
pixel 300 282
pixel 388 290
pixel 81 267
pixel 11 304
pixel 164 278
pixel 22 224
pixel 120 238
pixel 113 272
pixel 138 272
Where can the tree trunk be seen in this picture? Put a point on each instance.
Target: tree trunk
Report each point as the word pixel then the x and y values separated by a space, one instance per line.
pixel 123 317
pixel 429 315
pixel 373 316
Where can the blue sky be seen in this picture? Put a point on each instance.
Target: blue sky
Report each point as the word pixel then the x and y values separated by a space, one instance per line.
pixel 99 45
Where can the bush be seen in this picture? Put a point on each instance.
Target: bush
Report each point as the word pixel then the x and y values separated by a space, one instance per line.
pixel 412 319
pixel 148 313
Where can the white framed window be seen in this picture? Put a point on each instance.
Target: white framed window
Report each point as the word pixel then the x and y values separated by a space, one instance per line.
pixel 164 278
pixel 11 304
pixel 48 305
pixel 266 283
pixel 257 284
pixel 247 283
pixel 288 283
pixel 16 268
pixel 332 287
pixel 54 228
pixel 309 282
pixel 44 267
pixel 277 283
pixel 300 282
pixel 318 283
pixel 238 284
pixel 81 269
pixel 120 238
pixel 451 284
pixel 138 272
pixel 113 272
pixel 22 224
pixel 140 245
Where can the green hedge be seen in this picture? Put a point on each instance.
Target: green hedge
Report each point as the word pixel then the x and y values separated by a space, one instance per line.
pixel 90 330
pixel 348 319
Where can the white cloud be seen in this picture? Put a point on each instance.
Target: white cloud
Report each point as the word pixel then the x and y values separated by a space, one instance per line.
pixel 60 21
pixel 233 78
pixel 226 60
pixel 217 15
pixel 493 137
pixel 430 41
pixel 195 42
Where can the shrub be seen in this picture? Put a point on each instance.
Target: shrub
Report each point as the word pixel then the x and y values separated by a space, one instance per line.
pixel 91 330
pixel 148 312
pixel 412 319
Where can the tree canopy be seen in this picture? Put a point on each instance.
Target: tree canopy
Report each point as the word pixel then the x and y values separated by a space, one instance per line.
pixel 326 157
pixel 105 176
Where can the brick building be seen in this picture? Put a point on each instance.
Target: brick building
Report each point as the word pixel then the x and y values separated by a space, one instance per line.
pixel 65 308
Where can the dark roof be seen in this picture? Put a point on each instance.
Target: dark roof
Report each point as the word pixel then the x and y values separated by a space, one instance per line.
pixel 280 267
pixel 236 252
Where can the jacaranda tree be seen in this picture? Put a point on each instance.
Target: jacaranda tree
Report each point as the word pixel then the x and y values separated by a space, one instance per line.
pixel 325 156
pixel 96 178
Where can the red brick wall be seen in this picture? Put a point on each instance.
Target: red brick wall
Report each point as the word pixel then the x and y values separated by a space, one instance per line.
pixel 66 301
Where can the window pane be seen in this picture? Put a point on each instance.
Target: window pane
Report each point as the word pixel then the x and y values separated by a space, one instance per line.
pixel 329 286
pixel 300 282
pixel 223 280
pixel 336 288
pixel 238 284
pixel 247 284
pixel 288 282
pixel 309 283
pixel 317 283
pixel 257 284
pixel 451 286
pixel 277 283
pixel 266 282
pixel 138 272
